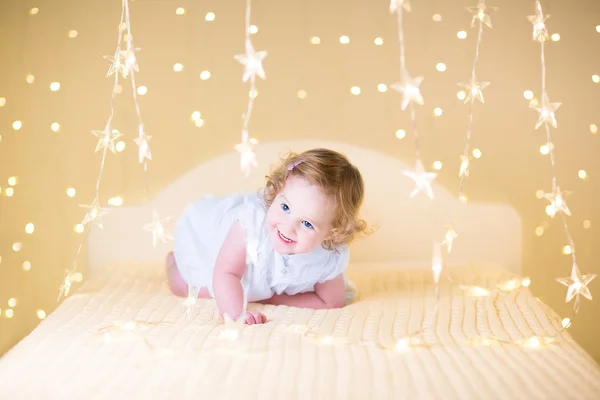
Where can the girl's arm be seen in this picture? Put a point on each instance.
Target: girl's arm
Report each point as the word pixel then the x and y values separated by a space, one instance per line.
pixel 329 294
pixel 229 269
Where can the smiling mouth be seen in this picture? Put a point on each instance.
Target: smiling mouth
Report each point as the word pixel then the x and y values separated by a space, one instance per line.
pixel 283 237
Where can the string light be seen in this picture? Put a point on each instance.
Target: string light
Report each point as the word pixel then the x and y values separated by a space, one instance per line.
pixel 576 282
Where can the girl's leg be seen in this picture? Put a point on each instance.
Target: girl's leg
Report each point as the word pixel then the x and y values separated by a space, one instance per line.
pixel 176 282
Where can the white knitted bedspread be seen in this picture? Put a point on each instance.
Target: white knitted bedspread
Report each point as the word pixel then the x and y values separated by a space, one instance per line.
pixel 347 353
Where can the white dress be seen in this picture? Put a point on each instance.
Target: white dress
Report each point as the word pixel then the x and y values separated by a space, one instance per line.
pixel 200 233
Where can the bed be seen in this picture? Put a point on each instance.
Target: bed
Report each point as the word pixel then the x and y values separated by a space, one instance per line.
pixel 123 335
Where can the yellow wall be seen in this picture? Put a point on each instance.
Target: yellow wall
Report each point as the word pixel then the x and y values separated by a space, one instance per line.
pixel 511 169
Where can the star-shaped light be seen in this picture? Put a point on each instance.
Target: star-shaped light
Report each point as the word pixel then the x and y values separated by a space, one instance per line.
pixel 143 147
pixel 449 239
pixel 547 112
pixel 396 4
pixel 422 179
pixel 409 88
pixel 157 227
pixel 94 214
pixel 116 64
pixel 106 139
pixel 557 202
pixel 246 150
pixel 129 61
pixel 479 13
pixel 463 172
pixel 577 285
pixel 252 61
pixel 540 33
pixel 474 90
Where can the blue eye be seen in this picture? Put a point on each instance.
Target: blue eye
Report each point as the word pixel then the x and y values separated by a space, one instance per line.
pixel 307 224
pixel 285 207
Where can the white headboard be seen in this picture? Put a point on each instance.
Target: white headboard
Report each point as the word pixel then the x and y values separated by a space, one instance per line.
pixel 488 233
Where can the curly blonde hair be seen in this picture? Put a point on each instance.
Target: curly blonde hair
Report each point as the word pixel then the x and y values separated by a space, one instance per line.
pixel 333 173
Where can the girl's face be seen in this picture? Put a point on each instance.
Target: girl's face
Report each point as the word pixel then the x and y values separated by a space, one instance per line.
pixel 299 219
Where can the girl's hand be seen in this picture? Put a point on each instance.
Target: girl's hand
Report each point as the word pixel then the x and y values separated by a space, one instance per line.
pixel 255 317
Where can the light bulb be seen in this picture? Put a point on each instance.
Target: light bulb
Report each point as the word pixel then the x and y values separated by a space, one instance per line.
pixel 210 17
pixel 378 41
pixel 355 90
pixel 17 125
pixel 54 86
pixel 315 40
pixel 72 34
pixel 205 75
pixel 301 94
pixel 142 90
pixel 528 94
pixel 382 87
pixel 461 35
pixel 253 29
pixel 400 133
pixel 178 67
pixel 29 228
pixel 344 39
pixel 441 67
pixel 179 11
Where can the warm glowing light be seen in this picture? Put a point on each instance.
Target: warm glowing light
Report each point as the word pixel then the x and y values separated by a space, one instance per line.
pixel 382 87
pixel 118 89
pixel 16 246
pixel 120 146
pixel 253 93
pixel 253 29
pixel 582 174
pixel 437 17
pixel 12 181
pixel 72 34
pixel 539 231
pixel 315 40
pixel 17 125
pixel 441 67
pixel 9 191
pixel 34 11
pixel 461 95
pixel 539 194
pixel 180 11
pixel 178 67
pixel 400 133
pixel 142 90
pixel 476 153
pixel 463 199
pixel 344 39
pixel 378 41
pixel 9 313
pixel 115 201
pixel 196 115
pixel 587 224
pixel 461 35
pixel 598 28
pixel 79 228
pixel 210 16
pixel 205 75
pixel 555 37
pixel 355 90
pixel 301 94
pixel 595 78
pixel 528 94
pixel 12 302
pixel 566 250
pixel 594 129
pixel 26 266
pixel 199 123
pixel 545 149
pixel 475 291
pixel 41 314
pixel 30 78
pixel 29 228
pixel 438 112
pixel 566 322
pixel 437 165
pixel 526 282
pixel 2 101
pixel 54 86
pixel 55 126
pixel 71 192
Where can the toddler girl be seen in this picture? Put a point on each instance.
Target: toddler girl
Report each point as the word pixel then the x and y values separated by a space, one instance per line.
pixel 286 244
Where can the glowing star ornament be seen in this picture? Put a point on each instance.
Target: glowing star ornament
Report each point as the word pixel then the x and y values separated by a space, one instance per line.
pixel 143 146
pixel 409 88
pixel 463 171
pixel 547 112
pixel 422 179
pixel 557 202
pixel 95 213
pixel 157 227
pixel 474 90
pixel 252 61
pixel 116 64
pixel 106 139
pixel 540 33
pixel 577 285
pixel 449 239
pixel 129 61
pixel 246 150
pixel 481 13
pixel 395 5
